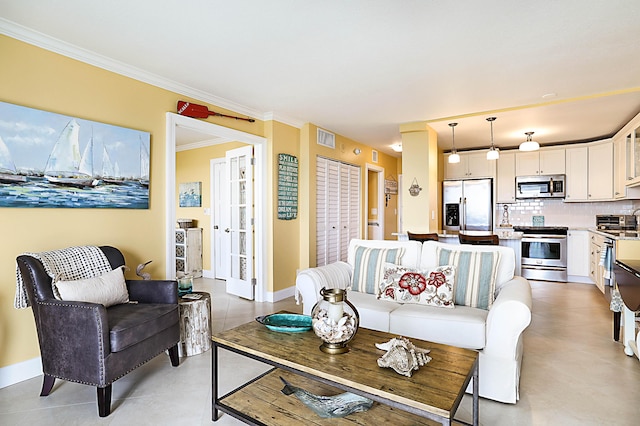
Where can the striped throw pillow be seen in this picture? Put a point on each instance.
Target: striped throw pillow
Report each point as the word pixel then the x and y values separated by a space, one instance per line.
pixel 475 280
pixel 368 268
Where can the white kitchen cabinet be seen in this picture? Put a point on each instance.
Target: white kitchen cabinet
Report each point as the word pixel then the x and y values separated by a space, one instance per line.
pixel 472 165
pixel 189 252
pixel 600 179
pixel 623 168
pixel 506 178
pixel 596 271
pixel 577 161
pixel 542 162
pixel 578 255
pixel 620 171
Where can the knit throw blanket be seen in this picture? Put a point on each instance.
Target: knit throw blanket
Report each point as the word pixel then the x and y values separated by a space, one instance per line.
pixel 334 275
pixel 69 264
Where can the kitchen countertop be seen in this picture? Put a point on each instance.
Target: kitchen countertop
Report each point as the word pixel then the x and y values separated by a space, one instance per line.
pixel 503 234
pixel 617 235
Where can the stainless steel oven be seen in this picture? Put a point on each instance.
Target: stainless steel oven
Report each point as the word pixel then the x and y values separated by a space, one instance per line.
pixel 544 252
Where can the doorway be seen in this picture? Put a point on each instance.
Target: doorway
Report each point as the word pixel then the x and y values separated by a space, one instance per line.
pixel 374 202
pixel 215 134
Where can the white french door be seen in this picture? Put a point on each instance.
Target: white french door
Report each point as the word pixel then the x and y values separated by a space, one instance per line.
pixel 219 219
pixel 240 228
pixel 337 209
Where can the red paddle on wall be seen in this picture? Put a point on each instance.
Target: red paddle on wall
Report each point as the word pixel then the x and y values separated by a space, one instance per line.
pixel 201 111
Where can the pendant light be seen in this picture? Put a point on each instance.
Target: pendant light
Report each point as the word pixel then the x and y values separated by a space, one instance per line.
pixel 529 144
pixel 454 157
pixel 493 153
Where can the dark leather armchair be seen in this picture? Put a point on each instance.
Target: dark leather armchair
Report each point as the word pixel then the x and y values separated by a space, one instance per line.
pixel 90 344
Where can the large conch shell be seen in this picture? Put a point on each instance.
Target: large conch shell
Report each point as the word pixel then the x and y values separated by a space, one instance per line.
pixel 402 356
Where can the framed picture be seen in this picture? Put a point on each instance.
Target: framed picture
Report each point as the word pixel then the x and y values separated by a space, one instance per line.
pixel 190 194
pixel 53 160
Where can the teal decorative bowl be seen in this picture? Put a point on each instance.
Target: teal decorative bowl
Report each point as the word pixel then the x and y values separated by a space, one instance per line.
pixel 286 323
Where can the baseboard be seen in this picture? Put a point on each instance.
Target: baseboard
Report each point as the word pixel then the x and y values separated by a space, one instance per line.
pixel 281 294
pixel 208 274
pixel 15 373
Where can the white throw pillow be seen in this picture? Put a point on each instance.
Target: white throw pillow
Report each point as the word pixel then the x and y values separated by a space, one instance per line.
pixel 108 289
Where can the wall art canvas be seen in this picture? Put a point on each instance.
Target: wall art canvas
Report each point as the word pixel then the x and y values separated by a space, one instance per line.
pixel 190 194
pixel 52 160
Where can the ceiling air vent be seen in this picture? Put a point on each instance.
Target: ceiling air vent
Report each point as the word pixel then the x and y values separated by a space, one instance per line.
pixel 327 139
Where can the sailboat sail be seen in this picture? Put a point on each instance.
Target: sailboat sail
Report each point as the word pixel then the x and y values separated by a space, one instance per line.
pixel 86 162
pixel 144 164
pixel 8 172
pixel 107 166
pixel 64 161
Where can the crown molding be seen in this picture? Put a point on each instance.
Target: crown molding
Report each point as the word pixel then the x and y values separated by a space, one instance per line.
pixel 274 116
pixel 55 45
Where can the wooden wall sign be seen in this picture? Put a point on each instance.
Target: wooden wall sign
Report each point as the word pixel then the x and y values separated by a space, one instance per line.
pixel 287 187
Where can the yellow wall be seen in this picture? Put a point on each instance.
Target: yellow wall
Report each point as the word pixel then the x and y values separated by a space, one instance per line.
pixel 420 165
pixel 194 166
pixel 37 78
pixel 372 195
pixel 283 237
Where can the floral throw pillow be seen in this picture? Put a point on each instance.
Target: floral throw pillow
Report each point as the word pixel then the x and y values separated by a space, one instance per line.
pixel 406 285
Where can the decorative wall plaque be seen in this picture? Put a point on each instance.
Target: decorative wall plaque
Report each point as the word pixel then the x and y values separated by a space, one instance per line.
pixel 287 187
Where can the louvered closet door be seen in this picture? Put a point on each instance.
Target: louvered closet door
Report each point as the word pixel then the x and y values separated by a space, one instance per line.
pixel 337 209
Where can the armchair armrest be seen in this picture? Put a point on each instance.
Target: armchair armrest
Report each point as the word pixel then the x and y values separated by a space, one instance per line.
pixel 64 329
pixel 153 291
pixel 310 281
pixel 508 317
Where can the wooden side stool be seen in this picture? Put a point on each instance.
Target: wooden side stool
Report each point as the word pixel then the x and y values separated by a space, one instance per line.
pixel 195 323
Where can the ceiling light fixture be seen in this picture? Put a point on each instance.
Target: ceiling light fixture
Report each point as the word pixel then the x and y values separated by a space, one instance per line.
pixel 529 144
pixel 397 147
pixel 453 157
pixel 493 153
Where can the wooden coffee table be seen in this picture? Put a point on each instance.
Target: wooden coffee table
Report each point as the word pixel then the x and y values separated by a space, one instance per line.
pixel 433 392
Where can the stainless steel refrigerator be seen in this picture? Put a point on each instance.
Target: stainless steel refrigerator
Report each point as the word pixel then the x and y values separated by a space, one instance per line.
pixel 467 205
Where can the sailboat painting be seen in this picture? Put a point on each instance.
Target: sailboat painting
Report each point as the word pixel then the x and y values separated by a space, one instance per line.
pixel 55 161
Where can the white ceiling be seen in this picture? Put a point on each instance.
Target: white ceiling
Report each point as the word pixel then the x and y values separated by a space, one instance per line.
pixel 361 68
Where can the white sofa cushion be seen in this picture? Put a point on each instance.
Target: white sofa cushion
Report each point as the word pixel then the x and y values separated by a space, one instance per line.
pixel 463 326
pixel 374 313
pixel 410 257
pixel 506 265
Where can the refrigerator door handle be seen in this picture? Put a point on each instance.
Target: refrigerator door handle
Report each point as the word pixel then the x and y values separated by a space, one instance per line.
pixel 463 213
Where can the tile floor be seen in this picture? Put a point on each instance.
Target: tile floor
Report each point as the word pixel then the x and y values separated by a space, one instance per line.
pixel 573 373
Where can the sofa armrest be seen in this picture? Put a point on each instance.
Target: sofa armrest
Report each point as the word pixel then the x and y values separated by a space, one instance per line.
pixel 508 317
pixel 310 281
pixel 153 291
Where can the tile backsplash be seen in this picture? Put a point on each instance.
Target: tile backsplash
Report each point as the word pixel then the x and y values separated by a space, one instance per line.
pixel 558 213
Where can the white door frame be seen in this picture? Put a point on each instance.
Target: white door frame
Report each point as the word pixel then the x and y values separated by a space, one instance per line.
pixel 260 178
pixel 380 206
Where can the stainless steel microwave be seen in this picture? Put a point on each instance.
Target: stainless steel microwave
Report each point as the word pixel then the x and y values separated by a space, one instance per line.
pixel 542 186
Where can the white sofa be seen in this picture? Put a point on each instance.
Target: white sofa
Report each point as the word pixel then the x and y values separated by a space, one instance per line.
pixel 496 333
